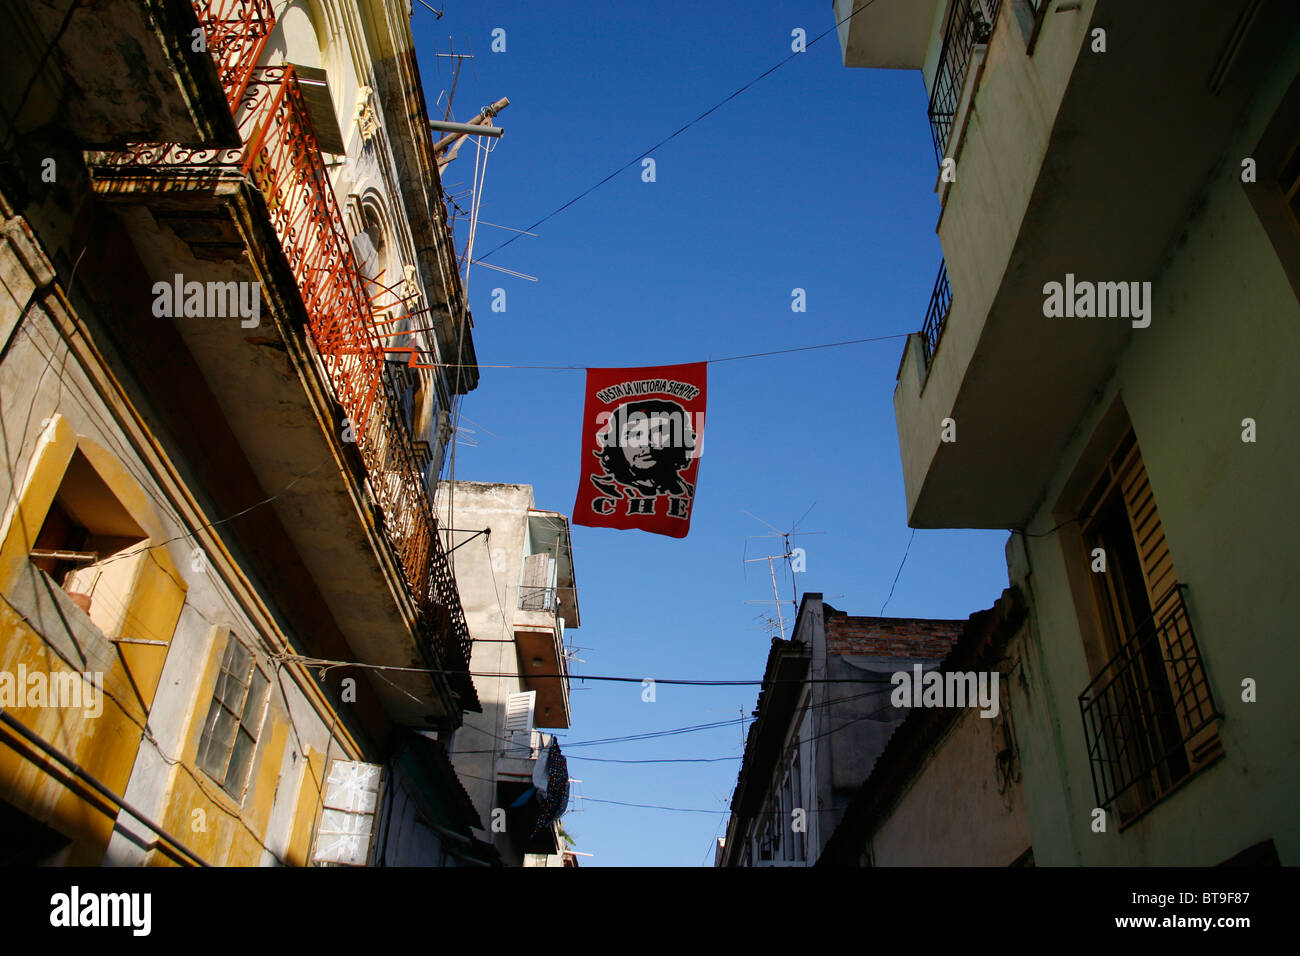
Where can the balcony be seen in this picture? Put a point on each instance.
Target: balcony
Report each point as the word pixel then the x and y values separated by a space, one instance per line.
pixel 936 316
pixel 1148 716
pixel 306 400
pixel 969 25
pixel 1024 211
pixel 891 34
pixel 547 604
pixel 150 83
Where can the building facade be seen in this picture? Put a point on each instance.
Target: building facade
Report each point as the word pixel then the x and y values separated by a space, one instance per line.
pixel 1108 367
pixel 514 565
pixel 824 716
pixel 947 790
pixel 230 633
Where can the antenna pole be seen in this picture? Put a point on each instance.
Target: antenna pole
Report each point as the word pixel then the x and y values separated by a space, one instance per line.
pixel 771 568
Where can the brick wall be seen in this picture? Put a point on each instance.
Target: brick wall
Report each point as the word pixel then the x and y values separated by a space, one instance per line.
pixel 889 636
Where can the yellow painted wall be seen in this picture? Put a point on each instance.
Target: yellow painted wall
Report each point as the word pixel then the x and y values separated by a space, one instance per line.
pixel 226 832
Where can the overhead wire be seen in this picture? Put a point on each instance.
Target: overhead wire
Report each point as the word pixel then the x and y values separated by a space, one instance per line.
pixel 327 664
pixel 711 361
pixel 685 126
pixel 145 482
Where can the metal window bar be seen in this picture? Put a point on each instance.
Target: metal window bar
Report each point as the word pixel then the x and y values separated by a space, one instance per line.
pixel 1146 705
pixel 969 22
pixel 936 315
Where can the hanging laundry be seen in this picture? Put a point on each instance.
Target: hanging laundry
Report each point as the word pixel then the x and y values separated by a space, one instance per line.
pixel 554 800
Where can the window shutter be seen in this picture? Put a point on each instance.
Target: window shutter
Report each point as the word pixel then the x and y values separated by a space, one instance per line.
pixel 1148 535
pixel 532 593
pixel 320 108
pixel 519 723
pixel 349 806
pixel 1168 613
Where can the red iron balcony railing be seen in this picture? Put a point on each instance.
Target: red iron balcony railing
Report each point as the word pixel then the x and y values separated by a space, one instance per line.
pixel 235 32
pixel 285 163
pixel 283 160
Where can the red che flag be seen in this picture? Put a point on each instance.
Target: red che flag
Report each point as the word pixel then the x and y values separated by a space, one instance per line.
pixel 642 430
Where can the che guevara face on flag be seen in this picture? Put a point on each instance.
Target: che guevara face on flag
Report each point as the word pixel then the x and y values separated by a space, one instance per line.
pixel 642 432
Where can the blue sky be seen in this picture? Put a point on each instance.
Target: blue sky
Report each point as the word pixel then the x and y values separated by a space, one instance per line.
pixel 819 177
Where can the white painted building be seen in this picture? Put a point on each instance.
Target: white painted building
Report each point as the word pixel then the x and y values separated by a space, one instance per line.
pixel 514 568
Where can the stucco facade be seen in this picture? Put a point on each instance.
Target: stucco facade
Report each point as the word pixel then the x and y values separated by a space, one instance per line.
pixel 1145 462
pixel 189 517
pixel 520 652
pixel 824 716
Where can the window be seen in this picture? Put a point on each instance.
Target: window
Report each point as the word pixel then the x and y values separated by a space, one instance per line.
pixel 1029 14
pixel 1275 191
pixel 89 545
pixel 234 719
pixel 766 838
pixel 796 778
pixel 314 85
pixel 520 710
pixel 1148 712
pixel 86 530
pixel 1288 182
pixel 776 838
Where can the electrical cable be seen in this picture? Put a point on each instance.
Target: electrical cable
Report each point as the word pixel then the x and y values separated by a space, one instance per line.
pixel 675 731
pixel 729 358
pixel 686 126
pixel 327 665
pixel 899 572
pixel 40 66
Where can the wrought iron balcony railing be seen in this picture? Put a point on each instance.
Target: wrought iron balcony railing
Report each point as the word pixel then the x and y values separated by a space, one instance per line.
pixel 285 163
pixel 282 158
pixel 538 598
pixel 936 315
pixel 235 32
pixel 1147 706
pixel 969 22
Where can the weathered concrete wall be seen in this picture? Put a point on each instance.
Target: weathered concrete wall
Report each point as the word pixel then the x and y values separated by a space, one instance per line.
pixel 999 158
pixel 51 405
pixel 488 571
pixel 1223 345
pixel 956 812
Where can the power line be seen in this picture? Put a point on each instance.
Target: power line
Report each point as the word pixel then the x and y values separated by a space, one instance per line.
pixel 656 806
pixel 684 127
pixel 656 759
pixel 325 664
pixel 899 572
pixel 675 731
pixel 729 358
pixel 40 67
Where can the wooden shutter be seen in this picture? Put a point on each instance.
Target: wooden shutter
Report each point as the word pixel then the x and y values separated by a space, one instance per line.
pixel 1186 676
pixel 519 722
pixel 314 85
pixel 1148 535
pixel 532 593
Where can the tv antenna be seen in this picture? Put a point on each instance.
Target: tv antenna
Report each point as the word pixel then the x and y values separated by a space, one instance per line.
pixel 789 555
